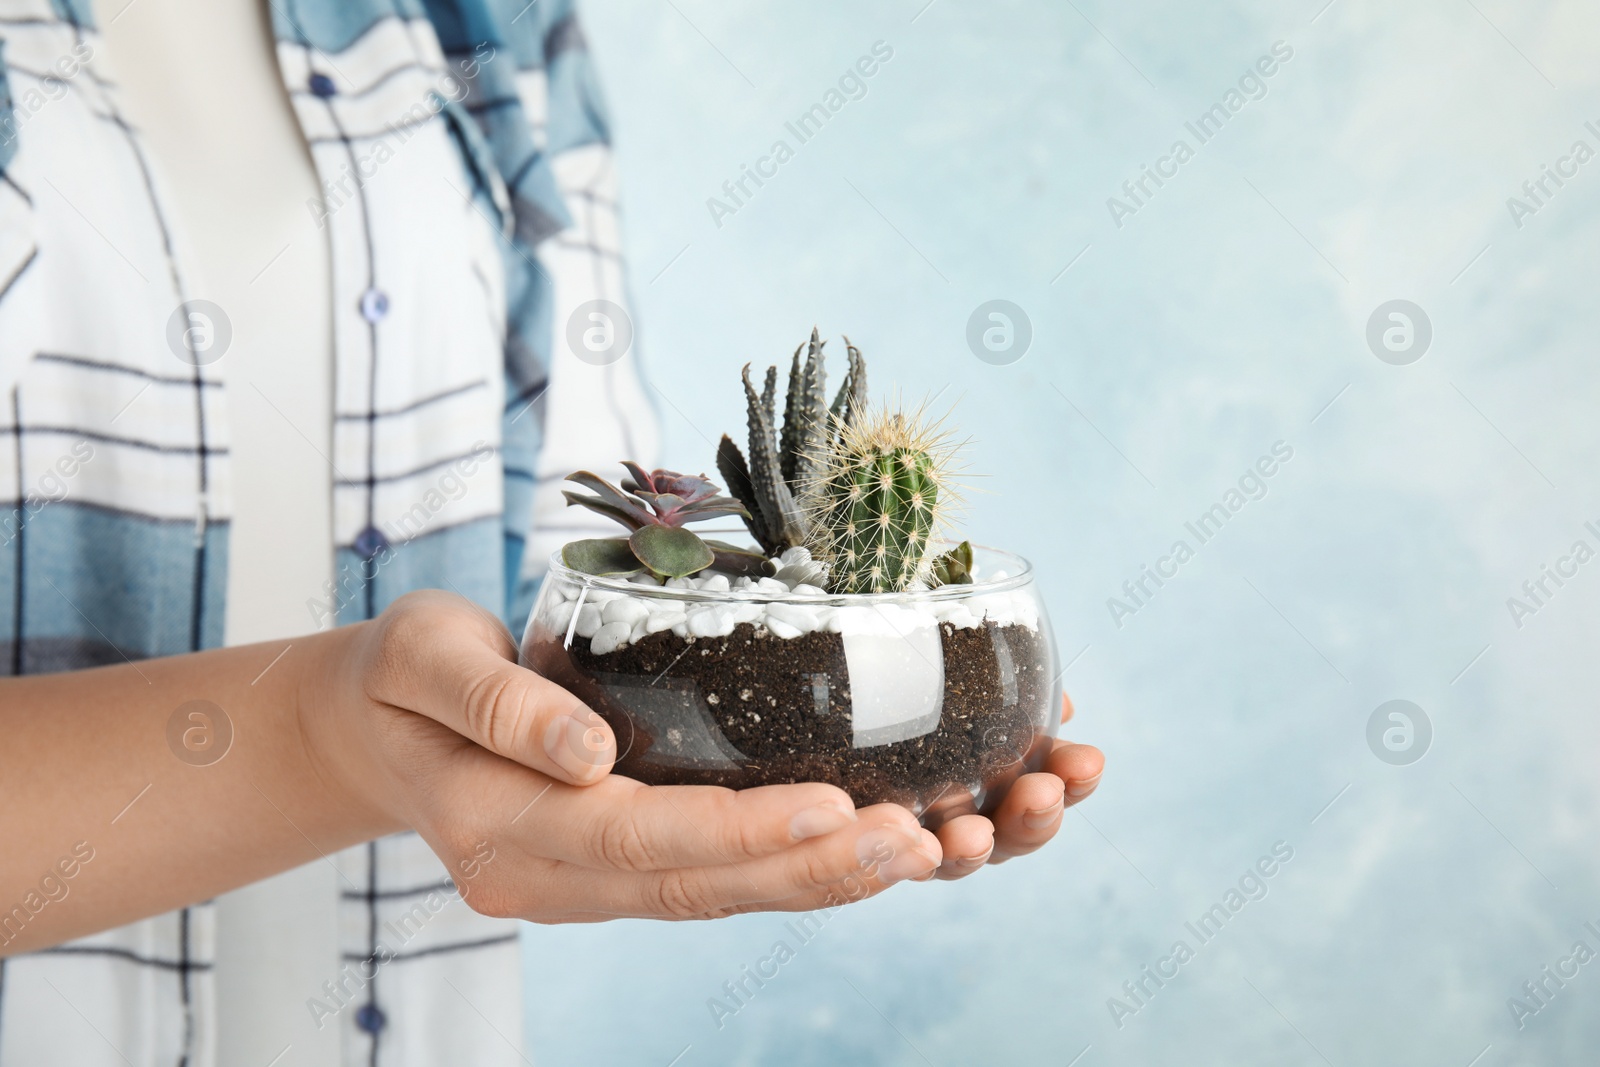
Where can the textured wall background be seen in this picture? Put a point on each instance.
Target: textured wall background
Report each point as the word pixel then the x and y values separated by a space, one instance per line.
pixel 1227 312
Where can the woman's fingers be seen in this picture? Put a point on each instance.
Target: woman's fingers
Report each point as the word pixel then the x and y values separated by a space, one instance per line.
pixel 967 841
pixel 620 824
pixel 1079 766
pixel 444 657
pixel 885 846
pixel 1031 812
pixel 1029 815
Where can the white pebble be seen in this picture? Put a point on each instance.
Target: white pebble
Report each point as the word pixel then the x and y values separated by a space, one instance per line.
pixel 962 619
pixel 710 621
pixel 772 585
pixel 746 612
pixel 795 556
pixel 589 620
pixel 560 616
pixel 655 623
pixel 603 596
pixel 624 609
pixel 782 629
pixel 807 589
pixel 680 583
pixel 637 633
pixel 800 618
pixel 609 638
pixel 715 583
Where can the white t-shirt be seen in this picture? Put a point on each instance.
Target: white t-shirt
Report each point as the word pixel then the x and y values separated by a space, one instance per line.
pixel 200 80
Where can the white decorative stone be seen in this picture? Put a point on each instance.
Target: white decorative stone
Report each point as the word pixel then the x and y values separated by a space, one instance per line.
pixel 786 605
pixel 962 619
pixel 625 609
pixel 560 616
pixel 710 620
pixel 589 620
pixel 782 629
pixel 666 620
pixel 747 613
pixel 609 638
pixel 800 618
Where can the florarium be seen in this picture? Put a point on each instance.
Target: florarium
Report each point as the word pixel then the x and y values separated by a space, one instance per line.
pixel 855 642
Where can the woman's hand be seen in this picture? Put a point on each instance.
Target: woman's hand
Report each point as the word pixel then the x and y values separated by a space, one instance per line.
pixel 1030 813
pixel 426 721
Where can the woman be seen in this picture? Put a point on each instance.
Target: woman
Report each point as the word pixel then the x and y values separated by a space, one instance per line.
pixel 277 292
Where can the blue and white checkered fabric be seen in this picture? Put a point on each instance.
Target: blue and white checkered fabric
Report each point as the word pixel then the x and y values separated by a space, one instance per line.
pixel 470 204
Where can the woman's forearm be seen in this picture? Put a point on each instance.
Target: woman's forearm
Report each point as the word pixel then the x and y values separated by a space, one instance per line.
pixel 124 794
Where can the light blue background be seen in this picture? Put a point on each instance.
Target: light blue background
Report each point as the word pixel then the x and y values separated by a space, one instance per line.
pixel 1224 316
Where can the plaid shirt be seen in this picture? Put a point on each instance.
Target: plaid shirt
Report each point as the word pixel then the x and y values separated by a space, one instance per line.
pixel 114 470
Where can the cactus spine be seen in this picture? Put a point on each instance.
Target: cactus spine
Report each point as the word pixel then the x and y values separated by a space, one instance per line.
pixel 878 501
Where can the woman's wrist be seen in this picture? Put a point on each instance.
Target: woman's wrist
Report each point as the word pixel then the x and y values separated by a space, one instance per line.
pixel 334 721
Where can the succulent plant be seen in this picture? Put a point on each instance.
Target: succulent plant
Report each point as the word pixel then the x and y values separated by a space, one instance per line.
pixel 782 466
pixel 654 506
pixel 952 568
pixel 878 501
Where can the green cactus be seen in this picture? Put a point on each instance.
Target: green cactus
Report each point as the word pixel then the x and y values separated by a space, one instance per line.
pixel 878 502
pixel 782 464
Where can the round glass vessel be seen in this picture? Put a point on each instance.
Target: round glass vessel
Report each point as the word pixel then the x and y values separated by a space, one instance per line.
pixel 935 699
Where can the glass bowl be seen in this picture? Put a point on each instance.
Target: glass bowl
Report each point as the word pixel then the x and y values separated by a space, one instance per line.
pixel 934 699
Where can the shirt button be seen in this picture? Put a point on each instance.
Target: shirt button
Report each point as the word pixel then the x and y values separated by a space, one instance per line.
pixel 374 304
pixel 370 1018
pixel 371 542
pixel 322 85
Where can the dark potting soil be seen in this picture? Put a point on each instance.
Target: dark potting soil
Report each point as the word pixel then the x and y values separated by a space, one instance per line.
pixel 755 709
